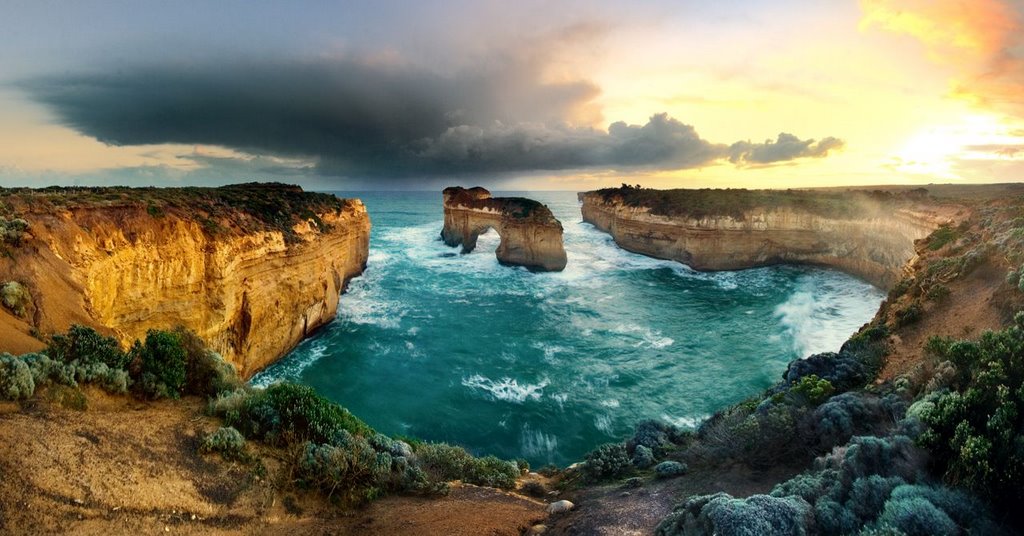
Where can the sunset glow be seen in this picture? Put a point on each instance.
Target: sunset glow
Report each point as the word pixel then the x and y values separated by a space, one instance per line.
pixel 914 91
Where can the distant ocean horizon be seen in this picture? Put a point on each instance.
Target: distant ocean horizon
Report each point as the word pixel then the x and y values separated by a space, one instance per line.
pixel 546 366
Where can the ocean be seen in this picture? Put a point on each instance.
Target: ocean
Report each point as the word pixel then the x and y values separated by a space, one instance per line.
pixel 546 366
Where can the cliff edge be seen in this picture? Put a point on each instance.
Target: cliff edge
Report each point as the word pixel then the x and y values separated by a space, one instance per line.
pixel 530 234
pixel 869 234
pixel 252 268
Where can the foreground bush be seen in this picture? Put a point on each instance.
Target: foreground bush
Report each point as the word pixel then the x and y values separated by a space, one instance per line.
pixel 16 380
pixel 867 484
pixel 161 363
pixel 15 297
pixel 287 413
pixel 445 462
pixel 607 461
pixel 226 441
pixel 976 429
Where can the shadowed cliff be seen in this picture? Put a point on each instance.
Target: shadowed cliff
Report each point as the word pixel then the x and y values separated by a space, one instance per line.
pixel 252 269
pixel 530 234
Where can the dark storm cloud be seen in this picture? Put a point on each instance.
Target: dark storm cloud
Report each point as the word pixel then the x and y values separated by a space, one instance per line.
pixel 357 117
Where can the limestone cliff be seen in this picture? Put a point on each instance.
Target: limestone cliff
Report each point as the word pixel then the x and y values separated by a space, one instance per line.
pixel 530 234
pixel 252 269
pixel 867 234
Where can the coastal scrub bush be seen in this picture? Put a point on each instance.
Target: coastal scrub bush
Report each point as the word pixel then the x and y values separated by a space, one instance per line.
pixel 82 345
pixel 975 430
pixel 643 457
pixel 226 441
pixel 161 362
pixel 351 471
pixel 606 461
pixel 669 469
pixel 443 462
pixel 287 413
pixel 16 298
pixel 722 514
pixel 15 378
pixel 842 416
pixel 942 236
pixel 13 231
pixel 909 315
pixel 812 389
pixel 206 372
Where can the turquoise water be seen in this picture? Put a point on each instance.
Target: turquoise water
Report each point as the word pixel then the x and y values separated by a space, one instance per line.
pixel 458 348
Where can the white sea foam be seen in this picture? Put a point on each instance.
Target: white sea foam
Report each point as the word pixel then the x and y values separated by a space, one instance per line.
pixel 560 398
pixel 536 443
pixel 648 338
pixel 507 389
pixel 290 369
pixel 603 423
pixel 825 310
pixel 684 422
pixel 550 351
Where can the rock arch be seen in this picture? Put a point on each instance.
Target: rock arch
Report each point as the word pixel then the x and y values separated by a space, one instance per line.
pixel 530 234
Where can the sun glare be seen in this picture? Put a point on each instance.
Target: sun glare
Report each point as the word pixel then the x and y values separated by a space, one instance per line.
pixel 935 150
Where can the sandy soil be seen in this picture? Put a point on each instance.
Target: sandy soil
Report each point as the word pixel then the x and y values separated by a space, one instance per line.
pixel 126 467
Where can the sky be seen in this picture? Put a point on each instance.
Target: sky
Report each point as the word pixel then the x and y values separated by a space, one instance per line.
pixel 530 95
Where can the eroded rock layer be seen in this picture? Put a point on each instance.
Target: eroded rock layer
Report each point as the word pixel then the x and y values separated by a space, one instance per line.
pixel 867 234
pixel 252 269
pixel 530 235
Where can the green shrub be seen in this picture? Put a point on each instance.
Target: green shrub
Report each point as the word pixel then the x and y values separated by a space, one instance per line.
pixel 445 462
pixel 812 389
pixel 669 469
pixel 226 441
pixel 722 514
pixel 643 457
pixel 974 431
pixel 161 363
pixel 84 346
pixel 917 517
pixel 16 380
pixel 351 472
pixel 941 236
pixel 911 314
pixel 288 413
pixel 607 461
pixel 12 232
pixel 206 372
pixel 938 293
pixel 16 297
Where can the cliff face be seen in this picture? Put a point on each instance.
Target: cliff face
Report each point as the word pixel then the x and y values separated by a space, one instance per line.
pixel 872 240
pixel 530 234
pixel 251 290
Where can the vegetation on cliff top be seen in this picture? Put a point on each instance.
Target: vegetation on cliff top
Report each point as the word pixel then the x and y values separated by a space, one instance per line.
pixel 938 450
pixel 705 202
pixel 324 445
pixel 513 207
pixel 248 207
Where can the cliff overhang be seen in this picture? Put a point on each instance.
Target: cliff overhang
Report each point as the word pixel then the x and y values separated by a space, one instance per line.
pixel 530 234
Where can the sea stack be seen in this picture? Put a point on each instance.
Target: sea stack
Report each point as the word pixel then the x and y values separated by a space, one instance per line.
pixel 530 235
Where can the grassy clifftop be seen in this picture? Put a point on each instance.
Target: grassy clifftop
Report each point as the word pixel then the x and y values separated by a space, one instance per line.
pixel 246 207
pixel 699 203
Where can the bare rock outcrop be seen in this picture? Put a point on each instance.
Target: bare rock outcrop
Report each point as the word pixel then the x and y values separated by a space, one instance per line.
pixel 252 269
pixel 530 234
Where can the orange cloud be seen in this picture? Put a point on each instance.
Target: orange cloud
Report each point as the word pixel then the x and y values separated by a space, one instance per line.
pixel 981 39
